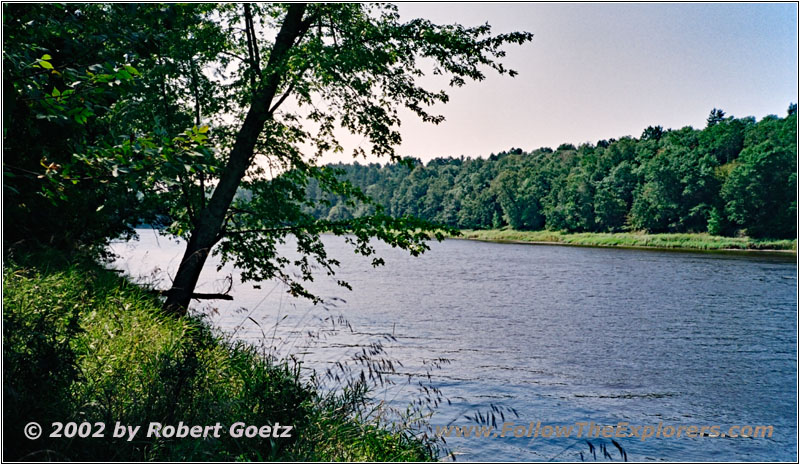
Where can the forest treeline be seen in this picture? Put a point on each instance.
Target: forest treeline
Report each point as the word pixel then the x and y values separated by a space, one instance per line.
pixel 736 176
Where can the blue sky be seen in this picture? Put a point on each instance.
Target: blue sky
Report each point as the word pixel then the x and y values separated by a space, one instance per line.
pixel 596 71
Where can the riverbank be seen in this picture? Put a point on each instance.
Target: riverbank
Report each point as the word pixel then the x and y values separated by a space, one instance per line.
pixel 636 240
pixel 82 344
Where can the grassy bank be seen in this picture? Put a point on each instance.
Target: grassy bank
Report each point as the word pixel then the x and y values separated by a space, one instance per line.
pixel 82 344
pixel 662 241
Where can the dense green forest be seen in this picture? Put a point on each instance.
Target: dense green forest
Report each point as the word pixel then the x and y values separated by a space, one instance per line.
pixel 735 176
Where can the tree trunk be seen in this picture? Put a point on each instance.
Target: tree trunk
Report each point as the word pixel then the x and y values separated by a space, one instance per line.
pixel 206 232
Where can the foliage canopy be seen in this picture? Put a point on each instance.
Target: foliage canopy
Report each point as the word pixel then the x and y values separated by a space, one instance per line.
pixel 121 114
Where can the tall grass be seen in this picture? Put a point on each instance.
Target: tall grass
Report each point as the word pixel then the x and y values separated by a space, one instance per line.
pixel 391 397
pixel 83 344
pixel 699 241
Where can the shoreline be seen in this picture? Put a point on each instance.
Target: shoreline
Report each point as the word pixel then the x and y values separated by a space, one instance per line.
pixel 656 242
pixel 113 342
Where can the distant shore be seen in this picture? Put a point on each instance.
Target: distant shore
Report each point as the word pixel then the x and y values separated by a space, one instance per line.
pixel 699 241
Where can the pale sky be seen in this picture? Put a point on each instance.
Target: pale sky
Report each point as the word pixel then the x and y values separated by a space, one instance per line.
pixel 597 71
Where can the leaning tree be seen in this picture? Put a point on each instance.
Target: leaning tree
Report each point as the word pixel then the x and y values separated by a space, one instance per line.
pixel 226 113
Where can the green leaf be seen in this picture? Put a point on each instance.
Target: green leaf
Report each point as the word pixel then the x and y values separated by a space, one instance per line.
pixel 131 70
pixel 45 64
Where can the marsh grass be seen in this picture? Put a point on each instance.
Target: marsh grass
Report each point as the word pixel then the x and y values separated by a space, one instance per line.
pixel 84 344
pixel 662 241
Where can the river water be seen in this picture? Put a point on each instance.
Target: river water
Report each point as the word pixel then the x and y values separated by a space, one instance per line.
pixel 561 335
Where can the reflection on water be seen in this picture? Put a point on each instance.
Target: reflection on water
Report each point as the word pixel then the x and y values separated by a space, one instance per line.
pixel 560 334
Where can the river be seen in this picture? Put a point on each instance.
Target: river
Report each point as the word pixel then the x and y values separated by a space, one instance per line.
pixel 561 335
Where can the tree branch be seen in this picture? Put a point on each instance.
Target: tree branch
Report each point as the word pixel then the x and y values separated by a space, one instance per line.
pixel 233 55
pixel 264 230
pixel 256 54
pixel 252 48
pixel 296 227
pixel 202 296
pixel 283 98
